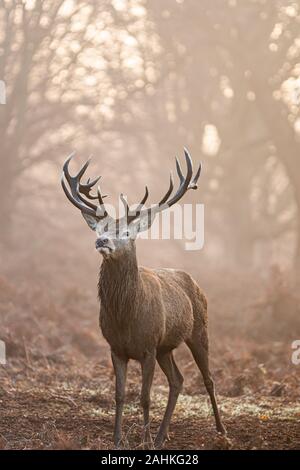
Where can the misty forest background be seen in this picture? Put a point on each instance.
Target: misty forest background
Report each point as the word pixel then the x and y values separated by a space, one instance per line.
pixel 131 82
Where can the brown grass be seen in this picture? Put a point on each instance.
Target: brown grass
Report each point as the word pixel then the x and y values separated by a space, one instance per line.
pixel 56 391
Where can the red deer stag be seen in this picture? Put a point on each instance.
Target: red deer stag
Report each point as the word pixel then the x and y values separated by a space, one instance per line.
pixel 145 313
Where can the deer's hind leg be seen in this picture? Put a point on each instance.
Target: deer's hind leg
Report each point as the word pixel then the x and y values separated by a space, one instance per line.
pixel 175 379
pixel 200 353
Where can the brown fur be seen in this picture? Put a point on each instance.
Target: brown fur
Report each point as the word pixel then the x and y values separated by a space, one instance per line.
pixel 144 315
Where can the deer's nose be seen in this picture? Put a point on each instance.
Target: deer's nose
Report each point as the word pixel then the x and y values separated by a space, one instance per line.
pixel 101 242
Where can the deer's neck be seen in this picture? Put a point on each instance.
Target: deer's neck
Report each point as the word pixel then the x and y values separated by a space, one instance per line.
pixel 119 285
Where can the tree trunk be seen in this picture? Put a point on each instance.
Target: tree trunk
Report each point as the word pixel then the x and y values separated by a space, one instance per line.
pixel 7 199
pixel 6 211
pixel 288 150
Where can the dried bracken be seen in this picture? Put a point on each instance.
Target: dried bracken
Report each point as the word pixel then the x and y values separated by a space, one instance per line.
pixel 63 397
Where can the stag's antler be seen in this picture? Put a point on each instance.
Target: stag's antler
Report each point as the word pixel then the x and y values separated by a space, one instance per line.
pixel 185 183
pixel 77 189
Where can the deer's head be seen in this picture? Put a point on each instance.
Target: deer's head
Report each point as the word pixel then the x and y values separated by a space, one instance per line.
pixel 116 235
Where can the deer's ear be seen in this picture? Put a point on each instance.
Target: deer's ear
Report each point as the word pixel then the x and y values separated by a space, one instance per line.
pixel 90 220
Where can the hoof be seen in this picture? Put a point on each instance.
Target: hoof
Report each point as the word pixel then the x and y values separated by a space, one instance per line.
pixel 222 430
pixel 148 443
pixel 159 441
pixel 118 442
pixel 147 439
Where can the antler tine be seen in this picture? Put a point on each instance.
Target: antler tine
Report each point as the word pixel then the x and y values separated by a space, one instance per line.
pixel 168 193
pixel 99 195
pixel 179 171
pixel 193 184
pixel 83 170
pixel 87 203
pixel 184 181
pixel 75 186
pixel 73 197
pixel 126 206
pixel 74 181
pixel 141 204
pixel 184 185
pixel 101 210
pixel 86 188
pixel 66 167
pixel 77 204
pixel 136 213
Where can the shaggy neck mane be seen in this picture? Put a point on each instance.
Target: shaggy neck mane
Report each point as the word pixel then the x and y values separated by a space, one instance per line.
pixel 118 284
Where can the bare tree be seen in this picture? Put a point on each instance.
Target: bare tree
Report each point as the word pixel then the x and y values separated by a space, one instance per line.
pixel 68 68
pixel 223 72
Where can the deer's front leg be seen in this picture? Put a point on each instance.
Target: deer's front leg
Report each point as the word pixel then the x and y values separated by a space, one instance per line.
pixel 120 367
pixel 148 366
